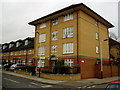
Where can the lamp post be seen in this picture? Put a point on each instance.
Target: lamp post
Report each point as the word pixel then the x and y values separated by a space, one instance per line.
pixel 38 62
pixel 101 58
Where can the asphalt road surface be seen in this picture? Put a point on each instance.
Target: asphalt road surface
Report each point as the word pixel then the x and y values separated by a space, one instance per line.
pixel 9 81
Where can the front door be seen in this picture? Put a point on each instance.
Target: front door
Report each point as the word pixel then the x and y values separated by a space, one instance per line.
pixel 53 64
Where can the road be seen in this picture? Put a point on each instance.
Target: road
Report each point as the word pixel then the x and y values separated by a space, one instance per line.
pixel 10 81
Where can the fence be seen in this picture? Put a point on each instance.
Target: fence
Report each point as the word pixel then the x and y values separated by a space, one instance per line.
pixel 61 70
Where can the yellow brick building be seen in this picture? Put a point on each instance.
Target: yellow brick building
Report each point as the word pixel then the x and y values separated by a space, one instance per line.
pixel 76 34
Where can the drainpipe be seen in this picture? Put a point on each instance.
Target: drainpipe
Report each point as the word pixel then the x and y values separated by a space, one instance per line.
pixel 9 57
pixel 50 41
pixel 77 40
pixel 26 56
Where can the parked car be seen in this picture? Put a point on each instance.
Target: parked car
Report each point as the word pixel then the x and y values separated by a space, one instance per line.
pixel 115 85
pixel 7 66
pixel 18 67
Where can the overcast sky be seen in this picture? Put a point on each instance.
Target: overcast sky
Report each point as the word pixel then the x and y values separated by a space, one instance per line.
pixel 16 14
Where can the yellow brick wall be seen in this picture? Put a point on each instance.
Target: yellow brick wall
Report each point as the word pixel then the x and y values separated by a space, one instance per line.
pixel 86 36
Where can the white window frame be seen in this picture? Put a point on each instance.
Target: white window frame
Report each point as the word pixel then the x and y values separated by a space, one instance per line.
pixel 41 50
pixel 55 33
pixel 42 38
pixel 97 36
pixel 20 52
pixel 17 44
pixel 15 53
pixel 97 49
pixel 23 61
pixel 41 63
pixel 26 42
pixel 68 32
pixel 25 52
pixel 43 25
pixel 68 17
pixel 11 53
pixel 68 62
pixel 55 21
pixel 30 52
pixel 10 45
pixel 30 61
pixel 68 48
pixel 4 46
pixel 54 48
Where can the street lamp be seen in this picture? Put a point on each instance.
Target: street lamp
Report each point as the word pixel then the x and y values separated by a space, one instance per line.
pixel 38 61
pixel 101 65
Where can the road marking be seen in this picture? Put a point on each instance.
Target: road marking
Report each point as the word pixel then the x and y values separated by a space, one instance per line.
pixel 88 87
pixel 92 86
pixel 34 83
pixel 11 80
pixel 32 86
pixel 79 87
pixel 84 86
pixel 46 86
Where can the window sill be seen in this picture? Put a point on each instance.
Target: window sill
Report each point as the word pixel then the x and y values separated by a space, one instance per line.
pixel 67 20
pixel 67 37
pixel 68 53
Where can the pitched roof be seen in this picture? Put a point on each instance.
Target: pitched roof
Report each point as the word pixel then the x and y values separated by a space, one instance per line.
pixel 73 7
pixel 22 46
pixel 113 42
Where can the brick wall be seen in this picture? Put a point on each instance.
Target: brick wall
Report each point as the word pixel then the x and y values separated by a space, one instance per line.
pixel 87 67
pixel 108 70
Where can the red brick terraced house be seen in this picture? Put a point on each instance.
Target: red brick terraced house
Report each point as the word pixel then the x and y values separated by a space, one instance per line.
pixel 20 51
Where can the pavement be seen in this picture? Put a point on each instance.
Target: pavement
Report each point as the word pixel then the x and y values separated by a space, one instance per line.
pixel 77 83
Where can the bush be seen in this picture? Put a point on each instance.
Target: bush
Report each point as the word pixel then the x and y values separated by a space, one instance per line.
pixel 45 71
pixel 31 68
pixel 60 68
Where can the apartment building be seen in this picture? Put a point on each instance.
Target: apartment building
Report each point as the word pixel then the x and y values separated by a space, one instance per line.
pixel 114 50
pixel 75 34
pixel 20 51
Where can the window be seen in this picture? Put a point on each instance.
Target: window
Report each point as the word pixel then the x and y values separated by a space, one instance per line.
pixel 68 32
pixel 11 53
pixel 42 37
pixel 24 52
pixel 41 50
pixel 68 16
pixel 67 48
pixel 4 54
pixel 11 45
pixel 54 35
pixel 41 63
pixel 96 23
pixel 68 62
pixel 97 36
pixel 19 52
pixel 54 48
pixel 55 21
pixel 11 61
pixel 26 42
pixel 15 53
pixel 23 62
pixel 4 46
pixel 17 44
pixel 30 51
pixel 43 25
pixel 97 49
pixel 30 62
